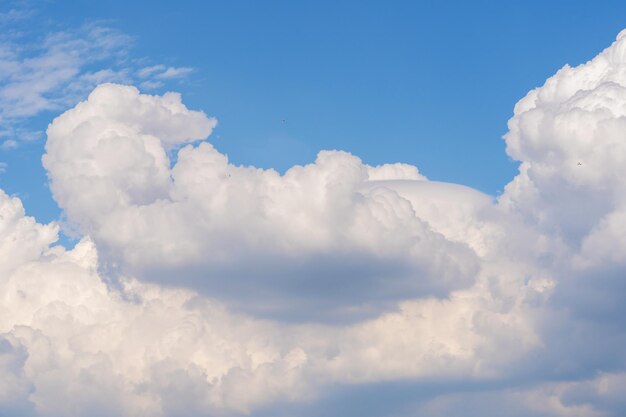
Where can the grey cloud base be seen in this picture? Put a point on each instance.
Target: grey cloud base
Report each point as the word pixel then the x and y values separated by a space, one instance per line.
pixel 241 291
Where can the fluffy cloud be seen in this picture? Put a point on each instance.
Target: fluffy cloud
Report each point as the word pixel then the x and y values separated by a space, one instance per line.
pixel 374 278
pixel 326 235
pixel 71 345
pixel 569 135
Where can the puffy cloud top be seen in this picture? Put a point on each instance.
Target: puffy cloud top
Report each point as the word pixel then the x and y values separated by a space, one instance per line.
pixel 165 117
pixel 569 135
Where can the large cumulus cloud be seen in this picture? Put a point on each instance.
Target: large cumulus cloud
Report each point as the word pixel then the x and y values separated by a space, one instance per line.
pixel 198 286
pixel 570 136
pixel 321 237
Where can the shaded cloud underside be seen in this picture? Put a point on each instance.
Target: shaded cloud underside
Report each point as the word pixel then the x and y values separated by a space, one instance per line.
pixel 204 288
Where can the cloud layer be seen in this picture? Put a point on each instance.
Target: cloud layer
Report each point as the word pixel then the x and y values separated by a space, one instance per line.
pixel 204 288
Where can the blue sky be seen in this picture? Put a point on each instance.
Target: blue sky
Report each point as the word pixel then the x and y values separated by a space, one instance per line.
pixel 426 83
pixel 470 263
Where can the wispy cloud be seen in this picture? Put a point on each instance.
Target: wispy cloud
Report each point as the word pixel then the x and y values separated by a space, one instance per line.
pixel 154 75
pixel 8 144
pixel 55 73
pixel 15 15
pixel 54 70
pixel 162 72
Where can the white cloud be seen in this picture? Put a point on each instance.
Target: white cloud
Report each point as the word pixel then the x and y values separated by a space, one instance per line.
pixel 569 136
pixel 485 303
pixel 173 72
pixel 163 72
pixel 21 239
pixel 324 229
pixel 88 348
pixel 150 70
pixel 9 144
